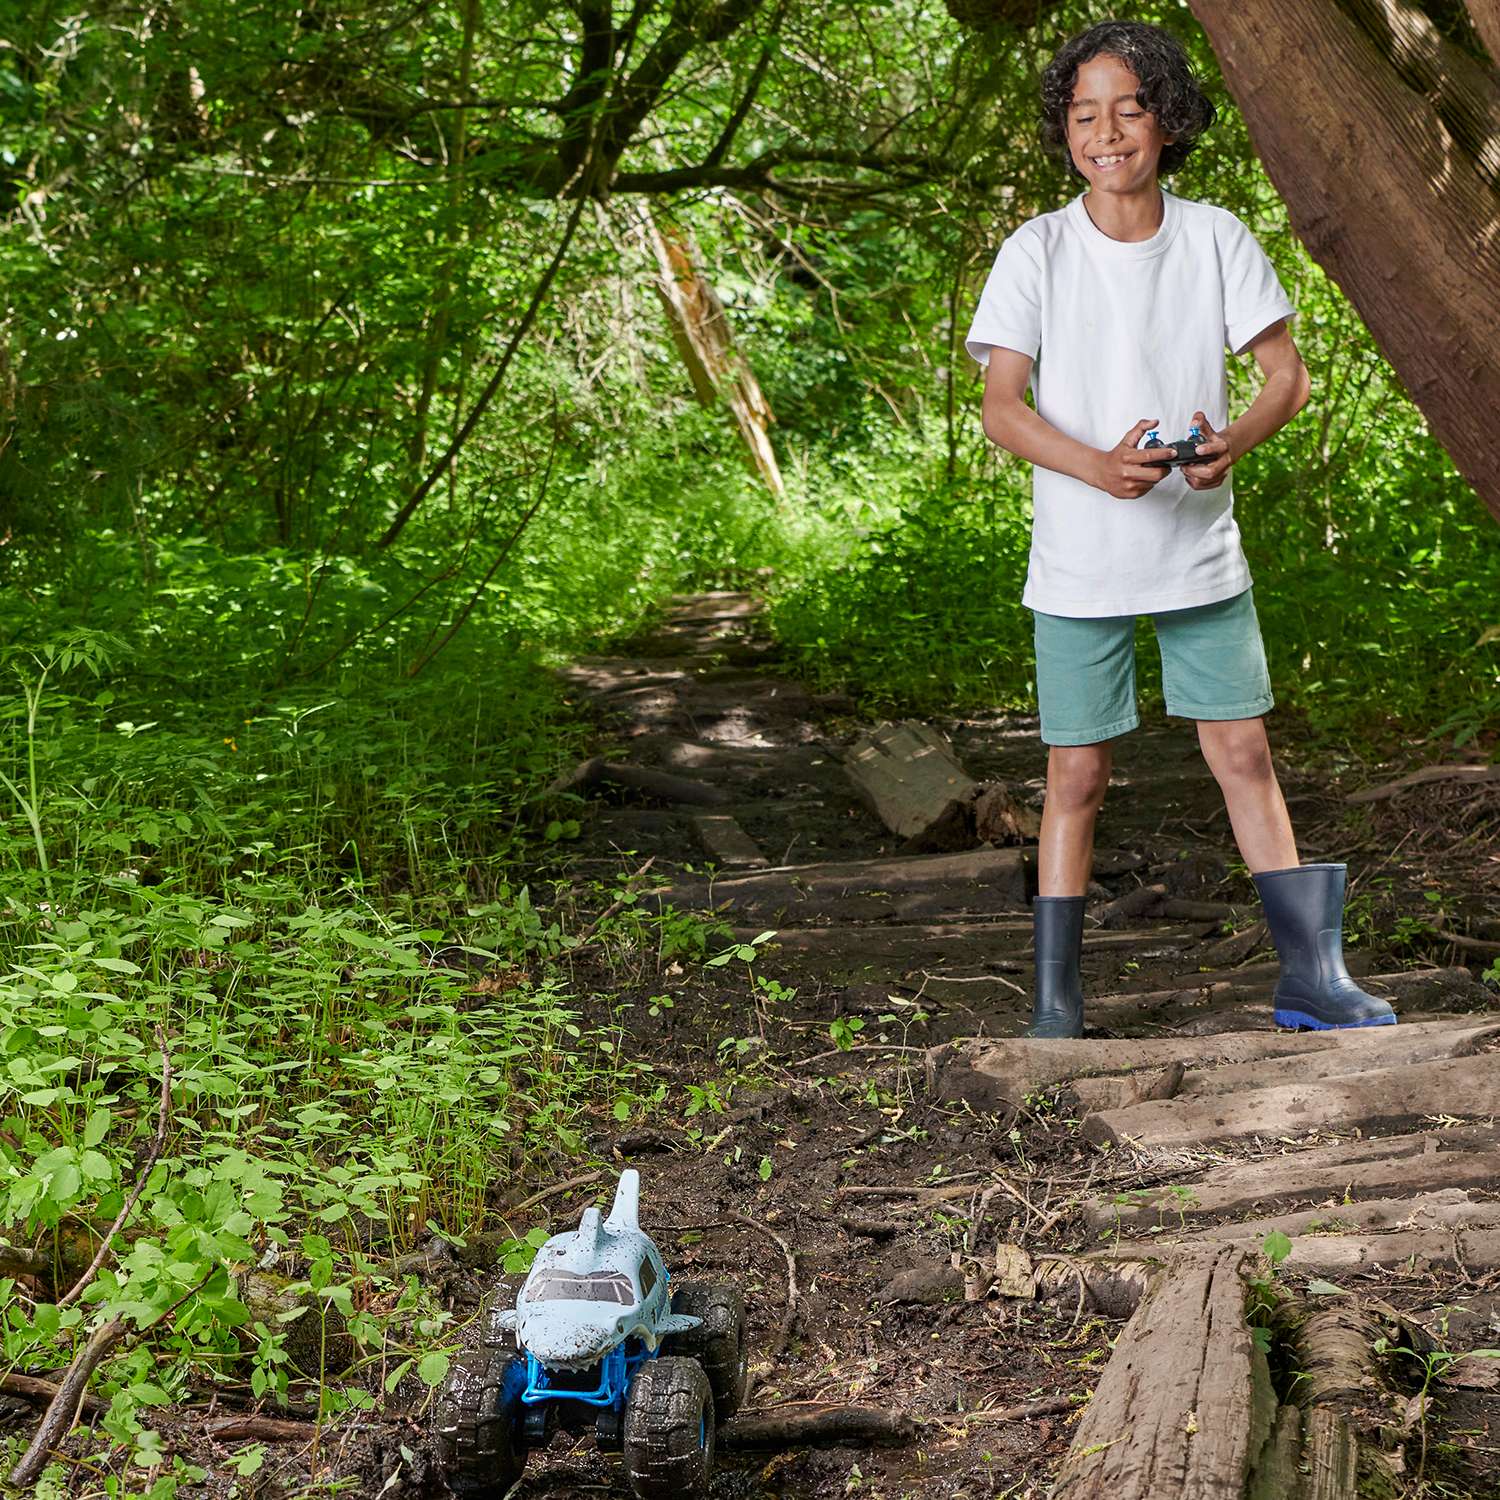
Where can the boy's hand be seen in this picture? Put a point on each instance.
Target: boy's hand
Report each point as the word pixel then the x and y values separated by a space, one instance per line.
pixel 1120 471
pixel 1217 459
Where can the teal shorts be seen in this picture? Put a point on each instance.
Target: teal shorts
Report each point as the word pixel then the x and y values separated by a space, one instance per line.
pixel 1213 666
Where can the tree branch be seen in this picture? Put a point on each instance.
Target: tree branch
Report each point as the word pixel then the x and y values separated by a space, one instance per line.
pixel 163 1110
pixel 720 148
pixel 639 93
pixel 420 493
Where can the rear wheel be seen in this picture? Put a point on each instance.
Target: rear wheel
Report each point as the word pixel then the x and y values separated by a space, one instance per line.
pixel 718 1343
pixel 478 1424
pixel 669 1431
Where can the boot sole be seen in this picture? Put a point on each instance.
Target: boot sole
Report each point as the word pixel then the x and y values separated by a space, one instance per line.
pixel 1295 1020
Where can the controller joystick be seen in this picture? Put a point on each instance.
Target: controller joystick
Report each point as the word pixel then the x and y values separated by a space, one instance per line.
pixel 1173 455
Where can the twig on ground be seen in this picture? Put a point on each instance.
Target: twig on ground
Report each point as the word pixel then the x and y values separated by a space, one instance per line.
pixel 162 1113
pixel 58 1420
pixel 1468 944
pixel 33 1388
pixel 553 1191
pixel 802 1062
pixel 266 1429
pixel 789 1317
pixel 1048 1406
pixel 588 929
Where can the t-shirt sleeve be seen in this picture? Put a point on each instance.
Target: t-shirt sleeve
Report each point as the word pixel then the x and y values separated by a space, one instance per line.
pixel 1253 295
pixel 1010 306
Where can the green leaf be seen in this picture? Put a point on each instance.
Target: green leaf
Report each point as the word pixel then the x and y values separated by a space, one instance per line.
pixel 1317 1288
pixel 1276 1247
pixel 433 1367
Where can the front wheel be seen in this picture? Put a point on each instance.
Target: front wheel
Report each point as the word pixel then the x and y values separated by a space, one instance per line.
pixel 478 1424
pixel 669 1431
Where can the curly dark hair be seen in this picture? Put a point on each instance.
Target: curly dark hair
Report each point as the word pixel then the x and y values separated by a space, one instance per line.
pixel 1169 88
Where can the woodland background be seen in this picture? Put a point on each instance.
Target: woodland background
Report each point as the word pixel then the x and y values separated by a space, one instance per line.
pixel 360 360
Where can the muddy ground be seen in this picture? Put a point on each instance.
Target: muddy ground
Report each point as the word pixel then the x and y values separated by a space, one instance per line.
pixel 802 1166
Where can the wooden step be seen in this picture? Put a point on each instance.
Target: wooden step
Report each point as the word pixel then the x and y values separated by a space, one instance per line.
pixel 1111 1075
pixel 1447 1208
pixel 1380 1098
pixel 1465 1156
pixel 1184 1403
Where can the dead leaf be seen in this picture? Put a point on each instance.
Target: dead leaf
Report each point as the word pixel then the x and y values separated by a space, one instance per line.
pixel 1475 1372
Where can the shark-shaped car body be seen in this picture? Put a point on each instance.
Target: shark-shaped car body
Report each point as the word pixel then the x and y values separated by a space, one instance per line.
pixel 602 1339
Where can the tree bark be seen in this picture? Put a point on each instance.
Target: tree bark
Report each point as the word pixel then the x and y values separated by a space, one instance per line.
pixel 1380 135
pixel 1381 1096
pixel 1184 1405
pixel 1404 1163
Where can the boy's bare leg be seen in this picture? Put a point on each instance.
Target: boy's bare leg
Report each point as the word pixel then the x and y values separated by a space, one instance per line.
pixel 1077 779
pixel 1239 755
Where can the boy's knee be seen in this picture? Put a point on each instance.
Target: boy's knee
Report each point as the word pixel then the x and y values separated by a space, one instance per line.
pixel 1078 777
pixel 1239 754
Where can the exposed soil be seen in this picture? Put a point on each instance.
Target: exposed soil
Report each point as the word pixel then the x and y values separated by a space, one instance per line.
pixel 811 1160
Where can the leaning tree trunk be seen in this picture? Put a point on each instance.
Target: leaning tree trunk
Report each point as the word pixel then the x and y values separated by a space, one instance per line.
pixel 701 331
pixel 1383 137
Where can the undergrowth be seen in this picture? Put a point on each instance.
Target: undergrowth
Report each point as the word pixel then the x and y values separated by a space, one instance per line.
pixel 297 899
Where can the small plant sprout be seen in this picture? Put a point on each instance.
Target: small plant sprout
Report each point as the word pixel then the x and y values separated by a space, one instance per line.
pixel 842 1031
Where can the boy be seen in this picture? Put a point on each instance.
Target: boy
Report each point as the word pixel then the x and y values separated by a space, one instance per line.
pixel 1122 303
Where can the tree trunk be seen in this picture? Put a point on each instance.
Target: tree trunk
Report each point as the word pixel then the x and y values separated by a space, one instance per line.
pixel 1382 137
pixel 717 369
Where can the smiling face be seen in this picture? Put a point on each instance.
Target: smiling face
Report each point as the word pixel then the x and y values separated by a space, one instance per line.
pixel 1114 142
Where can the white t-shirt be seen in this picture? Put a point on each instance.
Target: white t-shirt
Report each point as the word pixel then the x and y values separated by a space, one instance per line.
pixel 1121 331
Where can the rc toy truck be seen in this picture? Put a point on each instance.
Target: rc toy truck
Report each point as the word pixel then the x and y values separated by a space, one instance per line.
pixel 598 1339
pixel 1184 451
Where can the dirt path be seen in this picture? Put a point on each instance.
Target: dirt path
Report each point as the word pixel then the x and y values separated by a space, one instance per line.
pixel 840 1136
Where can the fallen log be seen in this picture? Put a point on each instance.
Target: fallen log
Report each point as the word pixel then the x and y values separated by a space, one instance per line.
pixel 724 841
pixel 1237 947
pixel 34 1388
pixel 1419 1162
pixel 1107 1284
pixel 1183 1406
pixel 661 784
pixel 817 1426
pixel 1343 1380
pixel 1364 1100
pixel 1119 1278
pixel 1102 1074
pixel 318 1341
pixel 1352 1051
pixel 906 774
pixel 250 1427
pixel 992 876
pixel 1467 1250
pixel 1447 1208
pixel 1136 903
pixel 1276 1475
pixel 1470 773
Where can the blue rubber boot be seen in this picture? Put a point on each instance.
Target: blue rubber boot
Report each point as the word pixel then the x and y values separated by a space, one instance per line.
pixel 1305 913
pixel 1057 1006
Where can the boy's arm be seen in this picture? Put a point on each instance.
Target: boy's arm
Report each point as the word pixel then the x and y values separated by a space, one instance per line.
pixel 1011 424
pixel 1285 392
